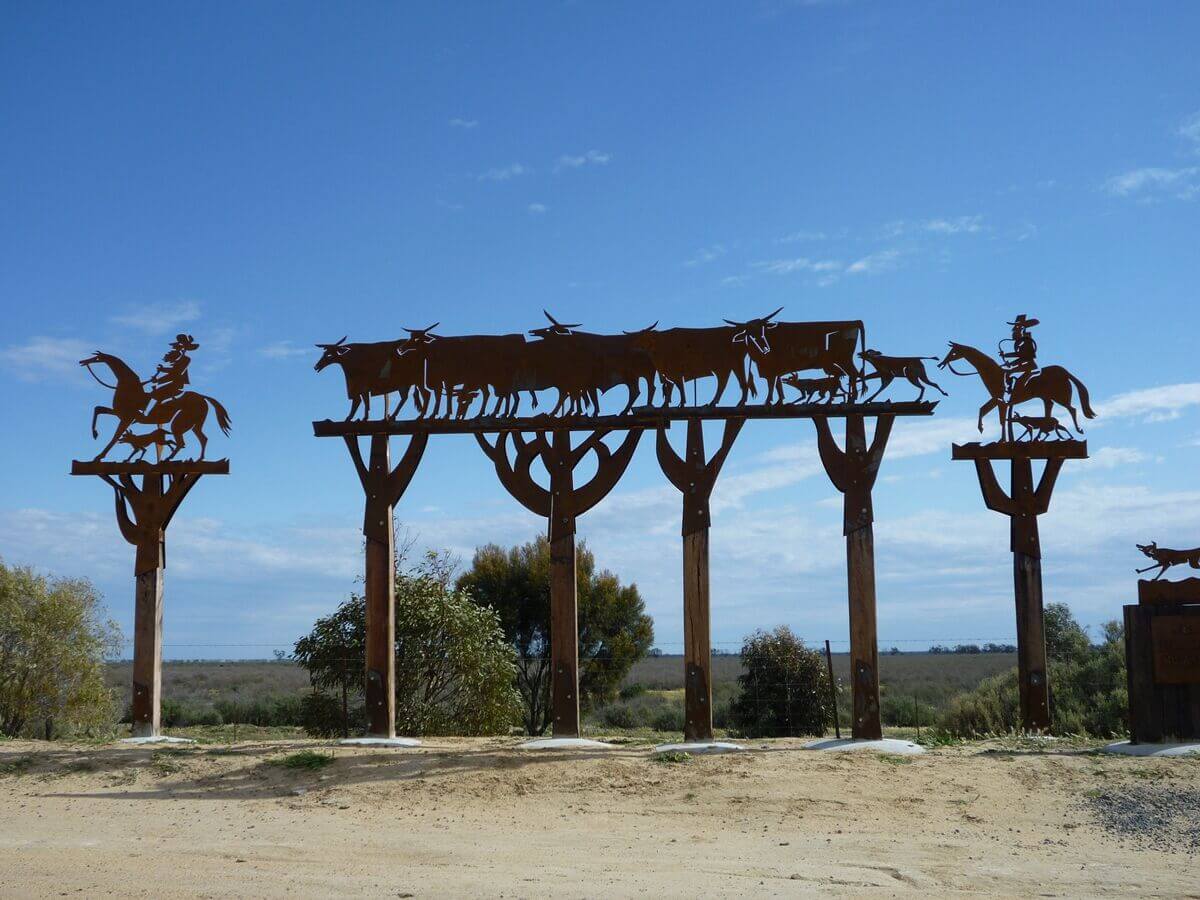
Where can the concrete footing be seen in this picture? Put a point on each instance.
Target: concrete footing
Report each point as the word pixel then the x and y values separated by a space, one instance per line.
pixel 380 742
pixel 887 745
pixel 699 747
pixel 565 743
pixel 1182 749
pixel 156 739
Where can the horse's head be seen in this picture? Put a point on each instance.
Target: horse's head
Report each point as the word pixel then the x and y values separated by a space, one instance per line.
pixel 1149 548
pixel 753 332
pixel 955 353
pixel 92 360
pixel 333 352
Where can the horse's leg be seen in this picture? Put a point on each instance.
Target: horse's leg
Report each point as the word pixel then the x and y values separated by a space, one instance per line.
pixel 122 427
pixel 97 412
pixel 987 408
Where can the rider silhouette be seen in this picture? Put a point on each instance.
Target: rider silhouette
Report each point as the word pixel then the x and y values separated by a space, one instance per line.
pixel 1020 362
pixel 171 377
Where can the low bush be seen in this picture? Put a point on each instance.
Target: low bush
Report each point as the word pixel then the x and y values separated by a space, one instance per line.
pixel 784 688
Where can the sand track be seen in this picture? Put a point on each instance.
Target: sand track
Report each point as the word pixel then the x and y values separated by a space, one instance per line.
pixel 479 818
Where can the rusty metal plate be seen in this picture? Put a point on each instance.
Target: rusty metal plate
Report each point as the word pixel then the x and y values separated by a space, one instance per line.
pixel 1175 641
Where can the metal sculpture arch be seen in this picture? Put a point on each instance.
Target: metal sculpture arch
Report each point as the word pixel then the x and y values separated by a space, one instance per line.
pixel 475 384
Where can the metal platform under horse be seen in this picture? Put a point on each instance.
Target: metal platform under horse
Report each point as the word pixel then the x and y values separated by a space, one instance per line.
pixel 166 467
pixel 640 417
pixel 1021 450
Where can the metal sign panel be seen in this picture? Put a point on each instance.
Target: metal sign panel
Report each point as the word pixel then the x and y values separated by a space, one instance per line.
pixel 1176 645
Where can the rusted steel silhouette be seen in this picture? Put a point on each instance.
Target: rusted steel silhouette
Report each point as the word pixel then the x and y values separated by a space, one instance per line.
pixel 1012 381
pixel 1164 558
pixel 853 471
pixel 144 509
pixel 680 355
pixel 1018 383
pixel 889 368
pixel 812 390
pixel 375 370
pixel 167 405
pixel 783 348
pixel 1162 653
pixel 463 367
pixel 695 477
pixel 560 504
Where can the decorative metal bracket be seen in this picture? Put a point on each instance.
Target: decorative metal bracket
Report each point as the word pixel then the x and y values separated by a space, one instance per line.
pixel 563 503
pixel 382 485
pixel 693 475
pixel 853 471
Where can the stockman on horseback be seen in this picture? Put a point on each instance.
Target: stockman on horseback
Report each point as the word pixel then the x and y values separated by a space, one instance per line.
pixel 171 377
pixel 1021 361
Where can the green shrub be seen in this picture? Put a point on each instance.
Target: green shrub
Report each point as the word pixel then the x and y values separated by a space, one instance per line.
pixel 309 760
pixel 321 716
pixel 784 689
pixel 1088 692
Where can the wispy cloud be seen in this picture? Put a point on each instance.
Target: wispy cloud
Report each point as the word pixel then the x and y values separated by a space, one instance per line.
pixel 798 264
pixel 874 263
pixel 1154 183
pixel 537 209
pixel 1190 131
pixel 592 157
pixel 283 350
pixel 1155 404
pixel 944 226
pixel 504 173
pixel 706 255
pixel 456 122
pixel 158 318
pixel 45 358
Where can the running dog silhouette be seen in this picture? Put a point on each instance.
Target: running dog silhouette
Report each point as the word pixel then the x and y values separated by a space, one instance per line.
pixel 140 443
pixel 1040 428
pixel 1165 558
pixel 889 368
pixel 813 389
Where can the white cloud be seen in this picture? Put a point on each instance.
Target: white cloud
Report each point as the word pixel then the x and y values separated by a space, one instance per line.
pixel 1190 130
pixel 706 255
pixel 456 122
pixel 956 225
pixel 873 263
pixel 283 350
pixel 504 173
pixel 42 358
pixel 1154 183
pixel 799 264
pixel 537 208
pixel 801 235
pixel 1153 404
pixel 159 318
pixel 592 157
pixel 1112 457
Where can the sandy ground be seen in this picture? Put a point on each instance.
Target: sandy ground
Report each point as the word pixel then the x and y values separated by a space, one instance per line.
pixel 479 818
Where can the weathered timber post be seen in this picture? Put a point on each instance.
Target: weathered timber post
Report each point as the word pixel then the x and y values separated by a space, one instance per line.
pixel 694 477
pixel 1023 504
pixel 853 472
pixel 143 513
pixel 561 505
pixel 383 487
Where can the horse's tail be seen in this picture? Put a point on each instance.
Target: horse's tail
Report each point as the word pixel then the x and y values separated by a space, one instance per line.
pixel 1083 396
pixel 222 415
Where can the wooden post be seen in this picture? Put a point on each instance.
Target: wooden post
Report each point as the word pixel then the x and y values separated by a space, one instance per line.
pixel 143 513
pixel 695 477
pixel 148 625
pixel 383 487
pixel 564 637
pixel 853 472
pixel 562 504
pixel 1023 504
pixel 1034 685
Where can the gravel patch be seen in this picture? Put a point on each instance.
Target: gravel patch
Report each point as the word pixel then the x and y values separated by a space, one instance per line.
pixel 1154 817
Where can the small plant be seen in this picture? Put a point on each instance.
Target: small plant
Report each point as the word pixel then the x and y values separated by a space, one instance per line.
pixel 309 760
pixel 895 760
pixel 673 757
pixel 165 763
pixel 18 766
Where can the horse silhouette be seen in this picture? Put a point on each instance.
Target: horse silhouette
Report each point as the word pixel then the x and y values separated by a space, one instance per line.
pixel 187 412
pixel 1050 385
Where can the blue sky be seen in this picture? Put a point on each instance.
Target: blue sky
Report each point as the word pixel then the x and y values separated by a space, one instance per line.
pixel 273 175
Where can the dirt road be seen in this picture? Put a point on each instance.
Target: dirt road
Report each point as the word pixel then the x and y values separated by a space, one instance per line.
pixel 480 818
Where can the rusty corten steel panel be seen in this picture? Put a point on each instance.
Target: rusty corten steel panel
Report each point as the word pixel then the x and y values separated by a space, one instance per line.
pixel 161 402
pixel 1016 379
pixel 564 372
pixel 1176 645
